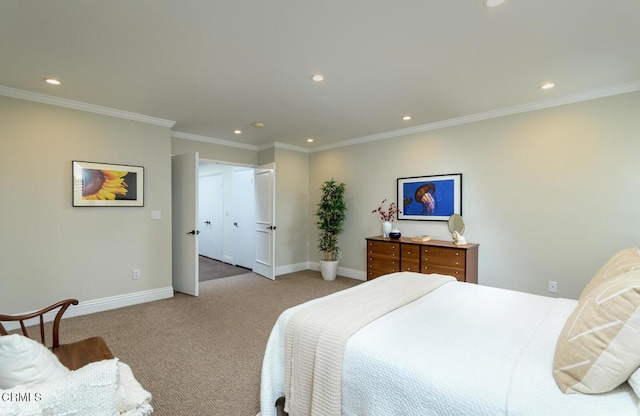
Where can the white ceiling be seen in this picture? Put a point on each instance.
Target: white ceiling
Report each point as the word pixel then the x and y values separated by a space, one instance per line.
pixel 216 66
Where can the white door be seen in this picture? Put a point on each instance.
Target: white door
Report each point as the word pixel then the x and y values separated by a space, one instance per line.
pixel 211 216
pixel 184 202
pixel 265 221
pixel 244 218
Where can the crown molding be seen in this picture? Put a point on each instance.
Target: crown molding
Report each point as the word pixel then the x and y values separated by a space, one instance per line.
pixel 279 145
pixel 78 105
pixel 197 137
pixel 295 148
pixel 266 146
pixel 487 115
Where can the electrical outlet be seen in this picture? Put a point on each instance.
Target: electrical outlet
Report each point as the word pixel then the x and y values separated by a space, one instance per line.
pixel 553 287
pixel 136 274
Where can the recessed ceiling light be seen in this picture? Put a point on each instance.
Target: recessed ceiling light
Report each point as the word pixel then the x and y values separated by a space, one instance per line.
pixel 492 3
pixel 258 124
pixel 310 140
pixel 52 81
pixel 406 118
pixel 237 131
pixel 548 85
pixel 318 77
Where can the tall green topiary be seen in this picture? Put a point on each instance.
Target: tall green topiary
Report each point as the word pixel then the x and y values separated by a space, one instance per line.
pixel 331 216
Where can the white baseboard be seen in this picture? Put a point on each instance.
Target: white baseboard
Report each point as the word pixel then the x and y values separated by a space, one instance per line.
pixel 290 268
pixel 228 259
pixel 343 271
pixel 105 304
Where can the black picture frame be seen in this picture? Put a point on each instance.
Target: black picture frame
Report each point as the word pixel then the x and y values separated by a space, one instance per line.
pixel 429 198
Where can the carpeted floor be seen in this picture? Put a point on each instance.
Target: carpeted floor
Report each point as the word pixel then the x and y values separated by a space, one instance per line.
pixel 203 355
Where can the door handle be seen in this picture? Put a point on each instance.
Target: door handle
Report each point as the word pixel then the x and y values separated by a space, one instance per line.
pixel 235 223
pixel 208 222
pixel 271 227
pixel 193 232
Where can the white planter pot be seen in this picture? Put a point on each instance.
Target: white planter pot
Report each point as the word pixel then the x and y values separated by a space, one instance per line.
pixel 329 269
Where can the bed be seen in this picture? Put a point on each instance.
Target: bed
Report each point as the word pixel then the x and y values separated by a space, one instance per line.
pixel 460 349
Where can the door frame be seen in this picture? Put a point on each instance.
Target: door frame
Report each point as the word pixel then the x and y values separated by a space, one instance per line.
pixel 227 163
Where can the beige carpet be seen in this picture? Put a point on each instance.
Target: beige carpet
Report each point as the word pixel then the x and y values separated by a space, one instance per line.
pixel 203 356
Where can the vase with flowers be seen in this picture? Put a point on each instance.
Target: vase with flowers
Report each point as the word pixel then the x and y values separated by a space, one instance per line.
pixel 387 215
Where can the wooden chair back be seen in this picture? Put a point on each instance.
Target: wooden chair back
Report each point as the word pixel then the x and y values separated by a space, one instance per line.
pixel 63 305
pixel 74 355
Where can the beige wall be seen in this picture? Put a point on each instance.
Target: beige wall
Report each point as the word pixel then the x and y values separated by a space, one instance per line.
pixel 50 250
pixel 292 202
pixel 267 156
pixel 548 195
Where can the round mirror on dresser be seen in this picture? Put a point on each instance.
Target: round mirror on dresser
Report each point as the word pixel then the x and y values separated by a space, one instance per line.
pixel 456 227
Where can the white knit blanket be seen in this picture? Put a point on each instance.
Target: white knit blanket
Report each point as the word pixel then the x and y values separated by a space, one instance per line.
pixel 104 388
pixel 316 337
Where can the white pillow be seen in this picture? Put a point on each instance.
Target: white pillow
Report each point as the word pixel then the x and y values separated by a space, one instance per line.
pixel 26 362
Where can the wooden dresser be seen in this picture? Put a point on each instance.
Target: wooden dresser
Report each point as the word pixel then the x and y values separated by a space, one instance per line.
pixel 435 256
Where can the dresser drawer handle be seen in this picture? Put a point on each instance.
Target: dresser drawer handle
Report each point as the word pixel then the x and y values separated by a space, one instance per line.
pixel 457 254
pixel 408 269
pixel 408 252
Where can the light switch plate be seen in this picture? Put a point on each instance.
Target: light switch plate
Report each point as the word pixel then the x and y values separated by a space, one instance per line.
pixel 156 215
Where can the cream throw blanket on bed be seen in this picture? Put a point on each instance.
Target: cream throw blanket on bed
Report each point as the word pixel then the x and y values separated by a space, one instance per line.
pixel 316 337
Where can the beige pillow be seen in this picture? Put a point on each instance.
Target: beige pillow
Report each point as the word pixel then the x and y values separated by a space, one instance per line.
pixel 598 348
pixel 623 261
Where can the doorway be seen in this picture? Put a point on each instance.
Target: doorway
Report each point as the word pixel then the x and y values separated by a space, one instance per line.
pixel 187 225
pixel 226 206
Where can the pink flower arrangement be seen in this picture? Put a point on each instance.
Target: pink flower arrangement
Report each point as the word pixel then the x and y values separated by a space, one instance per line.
pixel 388 214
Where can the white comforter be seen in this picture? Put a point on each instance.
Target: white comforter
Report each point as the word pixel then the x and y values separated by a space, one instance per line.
pixel 461 350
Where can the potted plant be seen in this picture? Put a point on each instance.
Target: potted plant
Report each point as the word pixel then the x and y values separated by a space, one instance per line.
pixel 331 215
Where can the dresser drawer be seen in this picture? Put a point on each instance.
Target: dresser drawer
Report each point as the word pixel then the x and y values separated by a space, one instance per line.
pixel 383 264
pixel 410 265
pixel 448 257
pixel 410 252
pixel 459 274
pixel 383 249
pixel 372 274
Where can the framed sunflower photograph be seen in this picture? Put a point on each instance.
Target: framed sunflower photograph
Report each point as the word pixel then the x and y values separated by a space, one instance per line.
pixel 107 185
